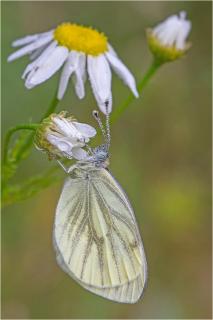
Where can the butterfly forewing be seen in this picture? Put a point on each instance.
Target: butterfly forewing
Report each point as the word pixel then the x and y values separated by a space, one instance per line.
pixel 96 236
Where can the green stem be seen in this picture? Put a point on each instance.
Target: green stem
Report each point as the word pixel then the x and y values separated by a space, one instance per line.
pixel 148 75
pixel 11 131
pixel 21 149
pixel 52 106
pixel 29 140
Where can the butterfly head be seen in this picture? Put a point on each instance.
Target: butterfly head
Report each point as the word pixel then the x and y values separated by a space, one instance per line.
pixel 101 155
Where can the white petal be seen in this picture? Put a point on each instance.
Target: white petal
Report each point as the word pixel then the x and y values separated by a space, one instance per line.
pixel 30 47
pixel 36 53
pixel 67 71
pixel 80 75
pixel 30 38
pixel 123 72
pixel 161 26
pixel 25 40
pixel 173 31
pixel 100 78
pixel 183 34
pixel 111 50
pixel 79 153
pixel 52 64
pixel 67 128
pixel 85 129
pixel 66 147
pixel 62 144
pixel 39 61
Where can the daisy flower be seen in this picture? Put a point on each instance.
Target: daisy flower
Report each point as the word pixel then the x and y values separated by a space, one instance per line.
pixel 167 40
pixel 62 136
pixel 79 51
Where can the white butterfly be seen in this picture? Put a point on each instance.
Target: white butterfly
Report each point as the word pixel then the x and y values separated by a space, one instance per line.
pixel 96 236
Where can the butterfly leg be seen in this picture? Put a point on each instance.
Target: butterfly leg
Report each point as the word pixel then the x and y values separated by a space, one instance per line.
pixel 67 170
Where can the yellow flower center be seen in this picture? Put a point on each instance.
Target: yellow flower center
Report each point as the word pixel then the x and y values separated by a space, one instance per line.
pixel 80 38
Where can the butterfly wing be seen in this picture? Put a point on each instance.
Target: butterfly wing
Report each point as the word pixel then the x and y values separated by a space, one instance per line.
pixel 97 239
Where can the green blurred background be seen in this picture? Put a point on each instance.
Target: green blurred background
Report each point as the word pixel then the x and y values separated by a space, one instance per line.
pixel 161 155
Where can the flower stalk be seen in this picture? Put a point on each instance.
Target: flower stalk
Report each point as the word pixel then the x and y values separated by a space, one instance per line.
pixel 52 106
pixel 148 75
pixel 29 140
pixel 13 130
pixel 20 149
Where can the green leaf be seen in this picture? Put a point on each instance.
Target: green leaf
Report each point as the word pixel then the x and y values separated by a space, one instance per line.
pixel 19 192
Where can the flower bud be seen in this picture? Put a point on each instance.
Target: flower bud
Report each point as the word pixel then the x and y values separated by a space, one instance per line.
pixel 167 41
pixel 61 136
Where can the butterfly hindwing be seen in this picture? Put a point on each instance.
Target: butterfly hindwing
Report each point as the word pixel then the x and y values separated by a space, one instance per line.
pixel 97 239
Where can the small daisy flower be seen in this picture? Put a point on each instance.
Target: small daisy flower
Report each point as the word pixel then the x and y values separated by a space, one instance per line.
pixel 79 51
pixel 62 136
pixel 167 40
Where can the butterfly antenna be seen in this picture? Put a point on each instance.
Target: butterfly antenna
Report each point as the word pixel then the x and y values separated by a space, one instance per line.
pixel 98 119
pixel 108 135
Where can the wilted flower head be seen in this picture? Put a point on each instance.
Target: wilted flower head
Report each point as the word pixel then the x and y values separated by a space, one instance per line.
pixel 167 40
pixel 62 136
pixel 77 49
